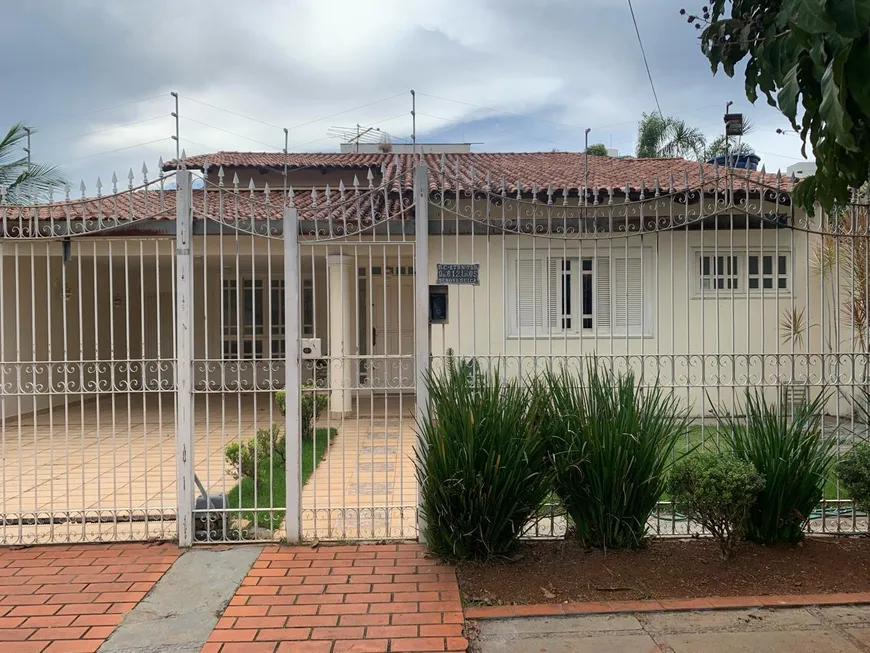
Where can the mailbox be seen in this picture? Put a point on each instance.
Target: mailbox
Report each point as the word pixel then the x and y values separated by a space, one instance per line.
pixel 310 348
pixel 437 304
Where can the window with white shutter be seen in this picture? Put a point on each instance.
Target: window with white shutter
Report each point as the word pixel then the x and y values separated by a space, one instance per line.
pixel 556 295
pixel 628 295
pixel 530 296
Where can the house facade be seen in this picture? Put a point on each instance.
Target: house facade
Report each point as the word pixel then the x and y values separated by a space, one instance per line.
pixel 145 330
pixel 697 278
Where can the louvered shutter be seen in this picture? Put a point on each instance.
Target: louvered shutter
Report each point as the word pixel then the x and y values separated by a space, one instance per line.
pixel 628 294
pixel 601 305
pixel 530 295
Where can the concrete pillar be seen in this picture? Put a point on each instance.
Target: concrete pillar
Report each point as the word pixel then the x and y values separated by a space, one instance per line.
pixel 341 332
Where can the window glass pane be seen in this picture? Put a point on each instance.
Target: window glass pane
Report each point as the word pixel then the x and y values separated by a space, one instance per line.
pixel 587 265
pixel 720 265
pixel 705 265
pixel 753 283
pixel 782 268
pixel 783 283
pixel 277 315
pixel 767 264
pixel 767 282
pixel 566 295
pixel 587 322
pixel 308 309
pixel 753 264
pixel 253 307
pixel 587 295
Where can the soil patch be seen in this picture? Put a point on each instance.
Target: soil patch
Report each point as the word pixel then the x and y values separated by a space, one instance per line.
pixel 555 572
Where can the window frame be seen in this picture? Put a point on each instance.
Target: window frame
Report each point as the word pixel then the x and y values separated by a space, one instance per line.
pixel 579 319
pixel 236 336
pixel 743 274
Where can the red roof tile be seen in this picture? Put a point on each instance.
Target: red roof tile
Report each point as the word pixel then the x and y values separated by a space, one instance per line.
pixel 540 170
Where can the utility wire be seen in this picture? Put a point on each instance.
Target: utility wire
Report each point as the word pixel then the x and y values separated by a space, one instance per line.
pixel 304 124
pixel 120 149
pixel 232 133
pixel 645 62
pixel 100 110
pixel 552 122
pixel 100 131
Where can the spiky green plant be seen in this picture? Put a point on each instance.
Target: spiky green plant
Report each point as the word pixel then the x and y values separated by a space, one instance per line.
pixel 788 449
pixel 612 442
pixel 482 464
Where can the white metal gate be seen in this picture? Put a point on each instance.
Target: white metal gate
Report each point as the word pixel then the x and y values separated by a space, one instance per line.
pixel 87 369
pixel 254 368
pixel 302 367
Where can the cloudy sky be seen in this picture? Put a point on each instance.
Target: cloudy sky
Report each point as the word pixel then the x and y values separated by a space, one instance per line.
pixel 94 77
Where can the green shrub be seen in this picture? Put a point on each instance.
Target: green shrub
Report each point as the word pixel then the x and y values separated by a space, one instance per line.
pixel 789 451
pixel 611 443
pixel 312 403
pixel 254 456
pixel 482 465
pixel 853 470
pixel 716 490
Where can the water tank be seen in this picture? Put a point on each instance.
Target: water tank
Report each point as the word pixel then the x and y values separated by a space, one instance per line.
pixel 748 161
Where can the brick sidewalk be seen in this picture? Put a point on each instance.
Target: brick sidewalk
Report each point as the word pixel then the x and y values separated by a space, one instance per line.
pixel 337 599
pixel 70 598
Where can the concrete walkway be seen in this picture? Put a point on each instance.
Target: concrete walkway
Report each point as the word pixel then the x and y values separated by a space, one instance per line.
pixel 834 629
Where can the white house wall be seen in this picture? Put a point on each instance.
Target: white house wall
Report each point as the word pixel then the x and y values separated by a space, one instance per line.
pixel 709 346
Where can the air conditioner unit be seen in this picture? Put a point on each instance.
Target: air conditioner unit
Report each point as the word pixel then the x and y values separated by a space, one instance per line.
pixel 310 348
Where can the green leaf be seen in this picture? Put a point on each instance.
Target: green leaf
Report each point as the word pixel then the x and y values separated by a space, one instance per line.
pixel 832 109
pixel 788 95
pixel 809 15
pixel 852 17
pixel 856 74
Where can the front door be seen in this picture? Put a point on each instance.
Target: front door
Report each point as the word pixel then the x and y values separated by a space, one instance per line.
pixel 392 333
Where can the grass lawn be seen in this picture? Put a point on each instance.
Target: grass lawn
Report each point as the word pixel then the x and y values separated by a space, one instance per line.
pixel 270 490
pixel 707 438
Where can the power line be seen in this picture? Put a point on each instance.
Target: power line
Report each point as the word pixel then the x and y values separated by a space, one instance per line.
pixel 231 133
pixel 234 113
pixel 504 131
pixel 645 62
pixel 100 110
pixel 552 122
pixel 120 149
pixel 304 124
pixel 333 115
pixel 100 131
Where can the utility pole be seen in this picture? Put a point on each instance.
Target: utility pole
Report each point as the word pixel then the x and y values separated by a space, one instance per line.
pixel 177 136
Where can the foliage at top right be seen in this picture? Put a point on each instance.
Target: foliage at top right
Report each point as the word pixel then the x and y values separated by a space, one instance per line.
pixel 810 59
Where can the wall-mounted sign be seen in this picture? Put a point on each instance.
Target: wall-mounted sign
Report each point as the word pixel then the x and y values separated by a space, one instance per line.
pixel 459 273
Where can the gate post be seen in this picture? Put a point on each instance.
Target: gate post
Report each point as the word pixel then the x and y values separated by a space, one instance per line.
pixel 184 357
pixel 421 305
pixel 292 416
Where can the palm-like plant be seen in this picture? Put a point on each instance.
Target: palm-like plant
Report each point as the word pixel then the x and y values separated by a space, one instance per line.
pixel 668 137
pixel 21 181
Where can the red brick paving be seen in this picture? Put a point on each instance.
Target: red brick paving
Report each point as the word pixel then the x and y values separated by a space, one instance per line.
pixel 343 599
pixel 68 599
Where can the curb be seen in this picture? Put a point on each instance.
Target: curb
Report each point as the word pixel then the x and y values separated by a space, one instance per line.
pixel 674 605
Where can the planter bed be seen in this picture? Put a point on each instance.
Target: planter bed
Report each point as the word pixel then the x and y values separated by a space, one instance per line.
pixel 561 571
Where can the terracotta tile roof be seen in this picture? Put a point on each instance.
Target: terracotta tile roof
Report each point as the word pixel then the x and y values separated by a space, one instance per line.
pixel 541 170
pixel 156 205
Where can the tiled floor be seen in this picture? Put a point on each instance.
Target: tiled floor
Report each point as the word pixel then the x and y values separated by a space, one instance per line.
pixel 366 487
pixel 68 599
pixel 116 460
pixel 336 599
